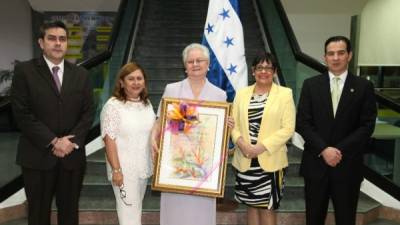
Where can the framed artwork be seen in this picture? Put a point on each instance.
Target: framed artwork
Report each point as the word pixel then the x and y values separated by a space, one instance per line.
pixel 193 147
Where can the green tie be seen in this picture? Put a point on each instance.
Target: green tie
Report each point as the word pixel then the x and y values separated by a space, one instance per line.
pixel 335 93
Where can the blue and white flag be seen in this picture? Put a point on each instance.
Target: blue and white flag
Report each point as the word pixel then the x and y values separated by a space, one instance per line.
pixel 223 35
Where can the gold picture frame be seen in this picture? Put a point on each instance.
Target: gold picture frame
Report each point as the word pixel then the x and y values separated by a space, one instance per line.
pixel 193 147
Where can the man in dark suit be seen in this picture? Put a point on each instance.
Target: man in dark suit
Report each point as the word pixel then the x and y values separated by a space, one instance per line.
pixel 336 117
pixel 53 106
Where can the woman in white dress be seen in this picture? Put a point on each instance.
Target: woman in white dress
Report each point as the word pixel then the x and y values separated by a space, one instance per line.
pixel 126 122
pixel 185 209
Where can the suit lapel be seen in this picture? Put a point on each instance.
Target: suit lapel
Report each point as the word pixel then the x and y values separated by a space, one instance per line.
pixel 67 77
pixel 272 96
pixel 324 91
pixel 45 73
pixel 269 105
pixel 245 105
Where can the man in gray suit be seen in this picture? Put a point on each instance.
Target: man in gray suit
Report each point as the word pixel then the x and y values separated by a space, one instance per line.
pixel 336 117
pixel 53 106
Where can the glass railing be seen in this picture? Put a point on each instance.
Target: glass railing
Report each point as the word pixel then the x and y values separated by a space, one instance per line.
pixel 383 159
pixel 382 76
pixel 384 155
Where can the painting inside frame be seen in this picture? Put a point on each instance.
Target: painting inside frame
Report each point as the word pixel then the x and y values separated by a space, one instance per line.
pixel 193 147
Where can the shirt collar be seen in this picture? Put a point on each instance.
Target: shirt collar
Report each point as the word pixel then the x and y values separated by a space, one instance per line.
pixel 342 76
pixel 51 65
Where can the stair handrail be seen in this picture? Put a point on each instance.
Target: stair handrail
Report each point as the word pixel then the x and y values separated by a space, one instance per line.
pixel 129 55
pixel 267 39
pixel 294 44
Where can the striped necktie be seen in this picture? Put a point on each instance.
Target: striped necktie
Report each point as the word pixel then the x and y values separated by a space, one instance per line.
pixel 56 79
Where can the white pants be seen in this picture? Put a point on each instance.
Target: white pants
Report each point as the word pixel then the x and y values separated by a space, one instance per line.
pixel 135 188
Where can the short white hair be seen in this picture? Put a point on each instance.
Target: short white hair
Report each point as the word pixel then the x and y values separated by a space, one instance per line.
pixel 192 46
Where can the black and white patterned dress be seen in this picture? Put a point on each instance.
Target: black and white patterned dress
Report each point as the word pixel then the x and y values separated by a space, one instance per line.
pixel 255 187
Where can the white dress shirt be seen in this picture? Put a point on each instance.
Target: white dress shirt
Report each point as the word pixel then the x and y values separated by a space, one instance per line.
pixel 342 77
pixel 60 71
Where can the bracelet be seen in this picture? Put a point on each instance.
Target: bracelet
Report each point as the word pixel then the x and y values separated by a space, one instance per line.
pixel 119 170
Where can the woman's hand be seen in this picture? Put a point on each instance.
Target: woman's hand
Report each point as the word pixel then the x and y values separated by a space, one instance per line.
pixel 245 148
pixel 248 150
pixel 231 122
pixel 155 139
pixel 258 149
pixel 117 178
pixel 112 158
pixel 154 149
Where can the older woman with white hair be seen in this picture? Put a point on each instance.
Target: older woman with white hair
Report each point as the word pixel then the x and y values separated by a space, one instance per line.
pixel 185 209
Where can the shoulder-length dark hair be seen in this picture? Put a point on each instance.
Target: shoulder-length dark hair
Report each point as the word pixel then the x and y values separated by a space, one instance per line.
pixel 119 92
pixel 264 57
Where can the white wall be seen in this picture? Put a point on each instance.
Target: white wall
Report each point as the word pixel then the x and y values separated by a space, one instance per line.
pixel 16 34
pixel 380 34
pixel 313 21
pixel 312 30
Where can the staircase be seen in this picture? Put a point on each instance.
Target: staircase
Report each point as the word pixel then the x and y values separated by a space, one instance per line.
pixel 166 28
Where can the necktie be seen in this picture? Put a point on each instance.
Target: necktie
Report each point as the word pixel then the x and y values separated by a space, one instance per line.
pixel 56 79
pixel 335 93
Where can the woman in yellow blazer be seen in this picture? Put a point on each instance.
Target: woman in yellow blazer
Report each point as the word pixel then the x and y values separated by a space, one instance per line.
pixel 264 115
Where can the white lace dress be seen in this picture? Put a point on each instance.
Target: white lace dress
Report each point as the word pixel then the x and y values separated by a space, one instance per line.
pixel 129 124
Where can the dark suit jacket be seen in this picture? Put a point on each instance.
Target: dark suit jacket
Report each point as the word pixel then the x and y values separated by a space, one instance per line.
pixel 349 131
pixel 42 113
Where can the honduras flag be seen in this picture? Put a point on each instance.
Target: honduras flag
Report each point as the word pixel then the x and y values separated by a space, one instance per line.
pixel 223 35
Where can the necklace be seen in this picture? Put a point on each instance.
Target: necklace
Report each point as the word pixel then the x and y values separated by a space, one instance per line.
pixel 134 99
pixel 261 97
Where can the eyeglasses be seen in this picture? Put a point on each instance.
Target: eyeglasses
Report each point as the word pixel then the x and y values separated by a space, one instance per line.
pixel 122 195
pixel 267 69
pixel 196 61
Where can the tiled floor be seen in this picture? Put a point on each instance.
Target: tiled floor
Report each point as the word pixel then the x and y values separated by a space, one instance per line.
pixel 378 222
pixel 383 222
